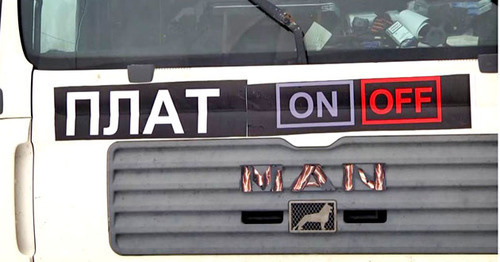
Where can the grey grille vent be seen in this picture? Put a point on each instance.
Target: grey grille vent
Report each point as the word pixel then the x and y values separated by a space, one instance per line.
pixel 184 197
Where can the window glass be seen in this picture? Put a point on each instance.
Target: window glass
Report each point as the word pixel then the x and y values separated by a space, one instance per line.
pixel 115 33
pixel 58 34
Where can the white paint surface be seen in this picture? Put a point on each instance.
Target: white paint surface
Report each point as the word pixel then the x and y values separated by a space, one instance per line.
pixel 15 70
pixel 70 176
pixel 13 133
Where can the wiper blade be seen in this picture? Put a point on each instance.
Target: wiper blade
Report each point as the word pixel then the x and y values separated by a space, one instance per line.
pixel 286 21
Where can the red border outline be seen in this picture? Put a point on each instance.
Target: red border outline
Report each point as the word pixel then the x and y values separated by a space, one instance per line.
pixel 437 119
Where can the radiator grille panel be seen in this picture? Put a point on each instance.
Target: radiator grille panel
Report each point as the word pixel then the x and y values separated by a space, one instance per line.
pixel 183 197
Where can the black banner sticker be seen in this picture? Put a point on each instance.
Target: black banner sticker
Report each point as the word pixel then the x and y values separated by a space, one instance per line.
pixel 165 110
pixel 231 108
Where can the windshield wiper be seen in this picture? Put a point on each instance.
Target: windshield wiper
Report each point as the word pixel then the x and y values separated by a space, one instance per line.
pixel 286 21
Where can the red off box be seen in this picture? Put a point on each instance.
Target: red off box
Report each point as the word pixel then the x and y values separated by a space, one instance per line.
pixel 401 100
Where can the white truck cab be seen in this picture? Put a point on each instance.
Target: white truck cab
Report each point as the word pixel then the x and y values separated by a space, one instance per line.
pixel 361 130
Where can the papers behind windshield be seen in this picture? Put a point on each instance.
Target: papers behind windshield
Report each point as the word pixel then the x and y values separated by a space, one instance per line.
pixel 316 37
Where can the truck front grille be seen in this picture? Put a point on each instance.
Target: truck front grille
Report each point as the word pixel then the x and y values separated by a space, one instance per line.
pixel 184 197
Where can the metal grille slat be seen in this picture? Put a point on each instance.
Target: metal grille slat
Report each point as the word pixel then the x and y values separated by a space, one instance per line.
pixel 184 197
pixel 441 242
pixel 224 178
pixel 230 222
pixel 236 200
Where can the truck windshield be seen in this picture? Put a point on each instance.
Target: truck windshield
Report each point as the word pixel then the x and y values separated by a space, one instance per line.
pixel 86 34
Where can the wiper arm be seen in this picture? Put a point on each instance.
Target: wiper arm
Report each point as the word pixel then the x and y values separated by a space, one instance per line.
pixel 286 21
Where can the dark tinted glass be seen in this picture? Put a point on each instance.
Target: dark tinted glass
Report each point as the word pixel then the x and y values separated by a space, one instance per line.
pixel 70 34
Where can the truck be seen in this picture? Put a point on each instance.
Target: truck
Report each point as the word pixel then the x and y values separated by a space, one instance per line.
pixel 238 130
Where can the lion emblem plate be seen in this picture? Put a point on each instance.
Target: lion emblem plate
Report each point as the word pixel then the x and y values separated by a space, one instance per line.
pixel 312 216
